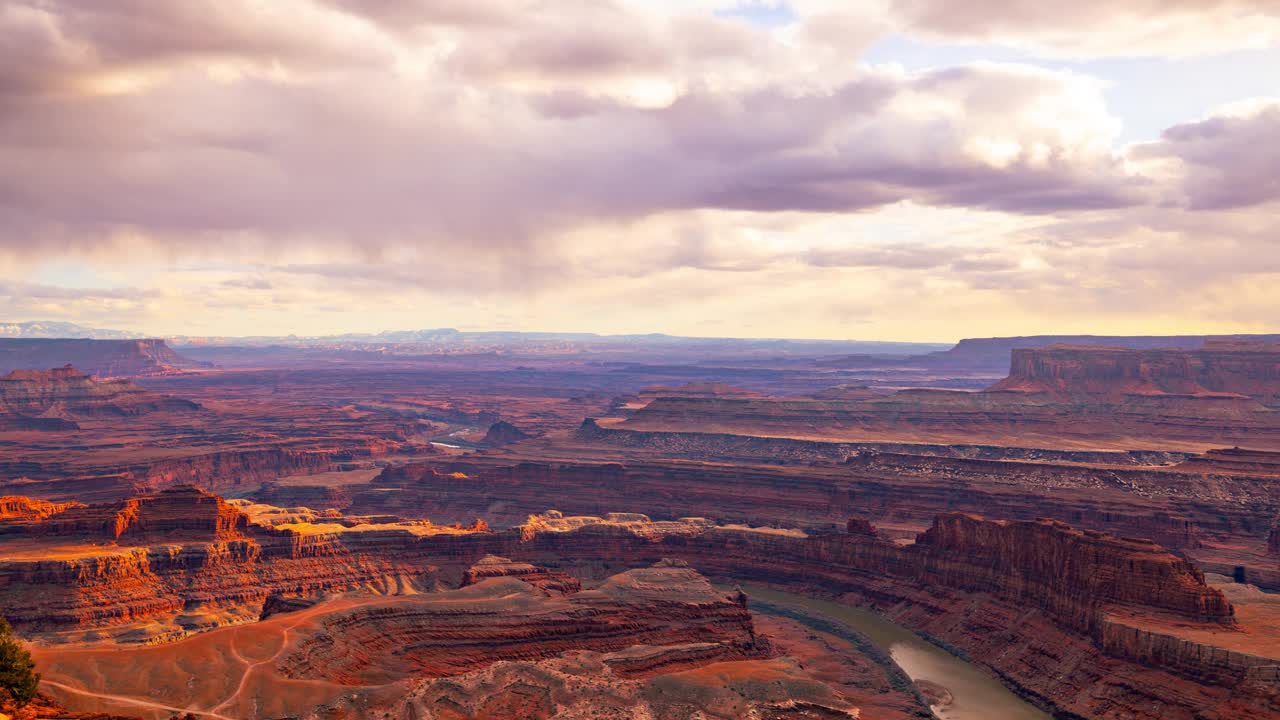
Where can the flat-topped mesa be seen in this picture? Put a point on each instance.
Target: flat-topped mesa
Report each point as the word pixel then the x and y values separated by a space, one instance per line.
pixel 184 512
pixel 66 393
pixel 548 581
pixel 100 358
pixel 1069 571
pixel 1226 368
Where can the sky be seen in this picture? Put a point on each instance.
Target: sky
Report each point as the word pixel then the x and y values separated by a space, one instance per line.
pixel 849 169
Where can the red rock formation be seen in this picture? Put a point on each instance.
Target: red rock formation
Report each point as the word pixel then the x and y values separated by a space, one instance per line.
pixel 53 399
pixel 1178 507
pixel 182 512
pixel 1221 368
pixel 100 358
pixel 503 618
pixel 547 580
pixel 1030 587
pixel 25 509
pixel 993 353
pixel 1070 573
pixel 504 433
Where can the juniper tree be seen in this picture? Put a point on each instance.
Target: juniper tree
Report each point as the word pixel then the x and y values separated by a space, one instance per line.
pixel 18 678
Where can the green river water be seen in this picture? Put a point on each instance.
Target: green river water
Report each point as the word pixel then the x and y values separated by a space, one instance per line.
pixel 976 694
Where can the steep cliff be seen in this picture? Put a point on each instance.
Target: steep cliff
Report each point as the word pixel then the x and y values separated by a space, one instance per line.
pixel 1069 573
pixel 54 399
pixel 184 512
pixel 20 509
pixel 1116 613
pixel 1073 372
pixel 100 358
pixel 993 353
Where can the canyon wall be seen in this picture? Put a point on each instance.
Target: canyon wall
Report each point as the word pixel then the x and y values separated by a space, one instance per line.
pixel 1178 507
pixel 1068 572
pixel 1222 367
pixel 1047 588
pixel 54 399
pixel 993 353
pixel 100 358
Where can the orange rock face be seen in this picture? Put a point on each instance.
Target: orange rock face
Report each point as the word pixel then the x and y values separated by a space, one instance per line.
pixel 1124 607
pixel 16 508
pixel 184 512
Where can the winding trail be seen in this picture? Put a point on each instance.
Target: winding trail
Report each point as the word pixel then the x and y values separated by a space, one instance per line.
pixel 280 631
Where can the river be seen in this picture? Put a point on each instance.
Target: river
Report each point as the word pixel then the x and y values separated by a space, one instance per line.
pixel 975 695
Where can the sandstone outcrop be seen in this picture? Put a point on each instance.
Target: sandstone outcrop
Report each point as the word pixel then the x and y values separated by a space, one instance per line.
pixel 993 353
pixel 183 561
pixel 100 358
pixel 17 509
pixel 1060 396
pixel 1230 368
pixel 1179 506
pixel 1070 573
pixel 503 433
pixel 505 618
pixel 1102 604
pixel 183 512
pixel 544 579
pixel 996 417
pixel 55 399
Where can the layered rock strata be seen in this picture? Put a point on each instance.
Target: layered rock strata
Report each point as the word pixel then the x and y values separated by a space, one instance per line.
pixel 55 399
pixel 100 358
pixel 505 618
pixel 544 579
pixel 1225 368
pixel 1099 604
pixel 1180 507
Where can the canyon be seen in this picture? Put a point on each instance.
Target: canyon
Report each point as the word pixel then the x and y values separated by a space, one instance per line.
pixel 185 562
pixel 1096 528
pixel 1056 395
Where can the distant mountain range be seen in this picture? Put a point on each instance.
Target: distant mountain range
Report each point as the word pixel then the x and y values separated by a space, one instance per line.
pixel 453 340
pixel 55 329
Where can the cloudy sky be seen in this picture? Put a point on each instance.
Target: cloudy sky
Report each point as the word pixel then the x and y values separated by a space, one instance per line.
pixel 914 170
